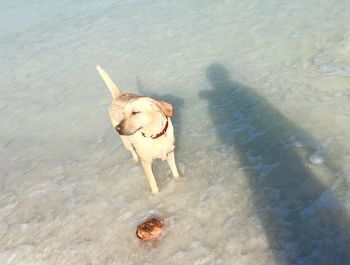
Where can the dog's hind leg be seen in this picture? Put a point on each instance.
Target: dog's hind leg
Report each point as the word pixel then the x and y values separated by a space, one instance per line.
pixel 150 177
pixel 171 161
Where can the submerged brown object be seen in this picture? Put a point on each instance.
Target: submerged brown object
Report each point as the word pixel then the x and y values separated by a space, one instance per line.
pixel 150 229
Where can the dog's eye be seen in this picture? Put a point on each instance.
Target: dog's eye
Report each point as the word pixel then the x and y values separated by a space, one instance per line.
pixel 135 112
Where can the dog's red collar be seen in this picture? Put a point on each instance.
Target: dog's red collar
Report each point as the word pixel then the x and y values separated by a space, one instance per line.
pixel 161 133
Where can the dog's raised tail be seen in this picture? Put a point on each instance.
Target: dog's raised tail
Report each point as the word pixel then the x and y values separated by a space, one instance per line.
pixel 115 91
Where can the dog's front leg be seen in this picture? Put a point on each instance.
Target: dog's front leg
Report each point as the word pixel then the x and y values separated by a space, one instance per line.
pixel 147 166
pixel 171 161
pixel 128 145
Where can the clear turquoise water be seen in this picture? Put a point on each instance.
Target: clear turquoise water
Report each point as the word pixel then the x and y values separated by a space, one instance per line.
pixel 261 96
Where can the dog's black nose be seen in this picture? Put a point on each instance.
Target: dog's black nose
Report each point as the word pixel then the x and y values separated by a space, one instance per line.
pixel 118 128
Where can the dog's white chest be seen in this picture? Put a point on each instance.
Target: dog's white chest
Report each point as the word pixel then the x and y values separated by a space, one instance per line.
pixel 149 149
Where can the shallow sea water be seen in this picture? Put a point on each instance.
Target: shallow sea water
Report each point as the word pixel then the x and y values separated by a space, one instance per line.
pixel 261 92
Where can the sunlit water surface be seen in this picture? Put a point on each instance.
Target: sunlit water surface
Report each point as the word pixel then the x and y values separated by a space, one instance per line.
pixel 261 91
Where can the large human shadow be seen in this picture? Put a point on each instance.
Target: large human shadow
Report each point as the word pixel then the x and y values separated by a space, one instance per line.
pixel 302 217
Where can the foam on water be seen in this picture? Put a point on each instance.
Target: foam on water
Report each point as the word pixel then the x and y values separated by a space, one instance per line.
pixel 262 114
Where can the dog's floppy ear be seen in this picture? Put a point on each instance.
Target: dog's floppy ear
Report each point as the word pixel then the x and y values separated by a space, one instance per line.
pixel 166 107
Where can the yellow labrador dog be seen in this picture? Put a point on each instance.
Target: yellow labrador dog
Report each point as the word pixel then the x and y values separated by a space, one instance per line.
pixel 144 126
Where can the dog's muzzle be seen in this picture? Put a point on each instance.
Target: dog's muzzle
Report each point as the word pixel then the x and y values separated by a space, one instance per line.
pixel 122 131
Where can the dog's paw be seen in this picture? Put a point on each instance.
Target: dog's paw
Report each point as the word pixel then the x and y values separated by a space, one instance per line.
pixel 135 158
pixel 155 190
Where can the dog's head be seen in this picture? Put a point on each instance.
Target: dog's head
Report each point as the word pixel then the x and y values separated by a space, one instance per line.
pixel 130 113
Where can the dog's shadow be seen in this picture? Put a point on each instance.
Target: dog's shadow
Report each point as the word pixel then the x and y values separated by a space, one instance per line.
pixel 301 216
pixel 178 104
